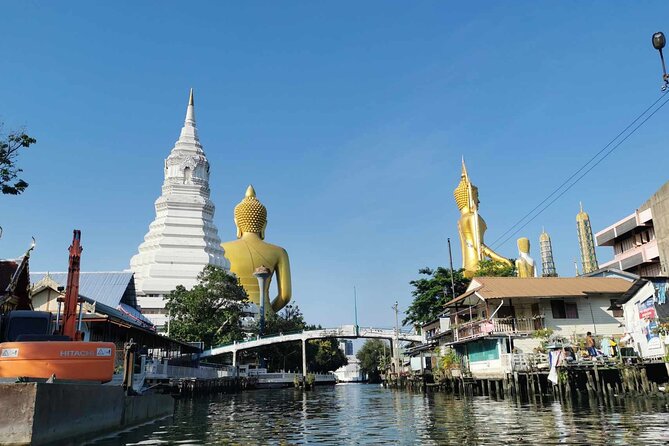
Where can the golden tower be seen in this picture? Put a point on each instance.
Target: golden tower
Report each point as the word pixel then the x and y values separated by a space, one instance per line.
pixel 472 227
pixel 586 242
pixel 250 251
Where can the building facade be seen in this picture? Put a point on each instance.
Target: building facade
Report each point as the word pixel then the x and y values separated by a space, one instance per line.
pixel 498 317
pixel 640 241
pixel 182 239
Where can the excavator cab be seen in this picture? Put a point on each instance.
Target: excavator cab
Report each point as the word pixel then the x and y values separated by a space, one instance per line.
pixel 26 325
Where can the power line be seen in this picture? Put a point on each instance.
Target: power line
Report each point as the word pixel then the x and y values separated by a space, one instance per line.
pixel 494 244
pixel 587 171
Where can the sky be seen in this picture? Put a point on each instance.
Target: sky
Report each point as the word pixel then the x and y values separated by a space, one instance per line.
pixel 349 118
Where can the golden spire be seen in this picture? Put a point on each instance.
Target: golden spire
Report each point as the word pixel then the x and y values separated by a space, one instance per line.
pixel 250 191
pixel 250 214
pixel 582 215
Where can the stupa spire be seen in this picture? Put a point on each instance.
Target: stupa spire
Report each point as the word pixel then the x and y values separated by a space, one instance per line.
pixel 190 111
pixel 189 130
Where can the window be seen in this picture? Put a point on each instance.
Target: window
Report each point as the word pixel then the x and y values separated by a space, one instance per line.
pixel 564 310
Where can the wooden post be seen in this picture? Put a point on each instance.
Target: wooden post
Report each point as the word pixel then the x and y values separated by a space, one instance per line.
pixel 644 381
pixel 590 385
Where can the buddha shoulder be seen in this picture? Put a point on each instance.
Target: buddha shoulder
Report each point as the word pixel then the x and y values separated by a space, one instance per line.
pixel 242 247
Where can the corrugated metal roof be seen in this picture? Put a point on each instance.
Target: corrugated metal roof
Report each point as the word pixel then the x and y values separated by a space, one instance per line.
pixel 105 287
pixel 510 287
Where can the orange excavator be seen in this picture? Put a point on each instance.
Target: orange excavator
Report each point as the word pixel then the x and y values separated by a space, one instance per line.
pixel 29 350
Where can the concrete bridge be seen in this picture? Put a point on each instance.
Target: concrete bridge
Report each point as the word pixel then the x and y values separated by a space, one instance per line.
pixel 345 331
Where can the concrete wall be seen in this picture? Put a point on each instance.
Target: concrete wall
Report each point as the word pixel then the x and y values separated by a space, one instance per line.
pixel 66 410
pixel 18 407
pixel 600 321
pixel 39 413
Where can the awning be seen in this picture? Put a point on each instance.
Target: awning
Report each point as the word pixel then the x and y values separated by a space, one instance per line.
pixel 467 299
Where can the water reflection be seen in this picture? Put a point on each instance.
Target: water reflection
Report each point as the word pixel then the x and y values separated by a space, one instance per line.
pixel 368 414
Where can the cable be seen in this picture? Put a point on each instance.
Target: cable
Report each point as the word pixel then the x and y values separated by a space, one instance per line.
pixel 587 171
pixel 494 244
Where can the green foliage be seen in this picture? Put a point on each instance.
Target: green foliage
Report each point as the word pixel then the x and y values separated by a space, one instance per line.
pixel 10 145
pixel 543 333
pixel 286 356
pixel 662 328
pixel 372 358
pixel 493 268
pixel 211 311
pixel 449 360
pixel 288 320
pixel 431 293
pixel 323 355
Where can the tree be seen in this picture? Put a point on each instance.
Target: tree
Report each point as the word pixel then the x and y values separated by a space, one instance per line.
pixel 286 356
pixel 211 311
pixel 431 293
pixel 373 355
pixel 10 145
pixel 494 268
pixel 324 355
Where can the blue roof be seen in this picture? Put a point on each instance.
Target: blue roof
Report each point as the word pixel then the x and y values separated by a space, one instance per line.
pixel 109 288
pixel 115 290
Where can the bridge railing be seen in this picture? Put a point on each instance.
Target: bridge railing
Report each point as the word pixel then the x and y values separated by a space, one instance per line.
pixel 342 332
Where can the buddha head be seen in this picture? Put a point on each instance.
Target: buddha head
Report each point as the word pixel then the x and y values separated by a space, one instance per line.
pixel 463 191
pixel 250 215
pixel 524 245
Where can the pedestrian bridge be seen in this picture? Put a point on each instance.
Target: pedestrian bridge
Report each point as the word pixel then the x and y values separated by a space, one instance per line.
pixel 345 331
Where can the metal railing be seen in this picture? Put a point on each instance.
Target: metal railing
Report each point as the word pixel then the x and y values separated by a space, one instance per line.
pixel 157 370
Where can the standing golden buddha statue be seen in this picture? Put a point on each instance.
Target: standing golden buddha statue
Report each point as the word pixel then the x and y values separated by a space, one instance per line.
pixel 472 227
pixel 250 251
pixel 525 266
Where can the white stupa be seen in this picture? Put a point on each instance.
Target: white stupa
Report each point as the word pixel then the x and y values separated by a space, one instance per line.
pixel 182 239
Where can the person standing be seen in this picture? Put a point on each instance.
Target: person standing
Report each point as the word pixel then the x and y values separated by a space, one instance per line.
pixel 590 345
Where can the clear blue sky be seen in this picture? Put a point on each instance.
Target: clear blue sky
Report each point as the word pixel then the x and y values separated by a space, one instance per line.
pixel 349 118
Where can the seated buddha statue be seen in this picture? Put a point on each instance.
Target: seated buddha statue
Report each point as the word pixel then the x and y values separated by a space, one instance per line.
pixel 250 251
pixel 472 227
pixel 525 266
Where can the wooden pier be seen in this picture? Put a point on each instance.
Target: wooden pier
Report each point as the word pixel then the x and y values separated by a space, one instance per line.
pixel 594 379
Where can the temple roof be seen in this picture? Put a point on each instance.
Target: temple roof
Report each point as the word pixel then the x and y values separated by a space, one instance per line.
pixel 110 288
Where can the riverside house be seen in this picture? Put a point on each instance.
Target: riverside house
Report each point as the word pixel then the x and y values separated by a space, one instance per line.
pixel 492 324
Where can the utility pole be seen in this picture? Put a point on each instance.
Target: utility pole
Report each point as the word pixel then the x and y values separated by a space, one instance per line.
pixel 450 258
pixel 355 309
pixel 396 347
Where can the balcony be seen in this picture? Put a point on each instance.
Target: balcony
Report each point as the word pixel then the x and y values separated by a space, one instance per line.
pixel 506 326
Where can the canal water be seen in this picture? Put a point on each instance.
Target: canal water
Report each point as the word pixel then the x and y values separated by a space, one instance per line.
pixel 368 414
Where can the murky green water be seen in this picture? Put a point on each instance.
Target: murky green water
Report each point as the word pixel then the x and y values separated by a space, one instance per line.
pixel 369 414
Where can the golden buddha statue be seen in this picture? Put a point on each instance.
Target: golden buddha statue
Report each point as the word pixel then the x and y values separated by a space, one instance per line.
pixel 250 251
pixel 472 227
pixel 525 266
